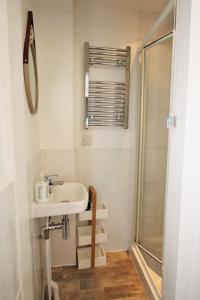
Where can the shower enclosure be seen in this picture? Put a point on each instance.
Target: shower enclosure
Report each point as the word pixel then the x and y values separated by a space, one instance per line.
pixel 156 67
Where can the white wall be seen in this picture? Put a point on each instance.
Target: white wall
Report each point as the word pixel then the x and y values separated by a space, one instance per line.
pixel 55 57
pixel 181 263
pixel 9 254
pixel 54 33
pixel 32 169
pixel 108 26
pixel 18 196
pixel 109 159
pixel 16 282
pixel 54 38
pixel 109 162
pixel 10 279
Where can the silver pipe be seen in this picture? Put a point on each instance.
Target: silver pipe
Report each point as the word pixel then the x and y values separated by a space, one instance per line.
pixel 106 114
pixel 108 58
pixel 100 103
pixel 107 82
pixel 97 121
pixel 108 106
pixel 116 108
pixel 108 109
pixel 106 63
pixel 111 86
pixel 107 88
pixel 105 106
pixel 98 60
pixel 66 227
pixel 106 97
pixel 93 111
pixel 119 105
pixel 107 49
pixel 116 101
pixel 107 53
pixel 127 82
pixel 112 122
pixel 120 124
pixel 106 103
pixel 110 119
pixel 95 53
pixel 86 67
pixel 94 91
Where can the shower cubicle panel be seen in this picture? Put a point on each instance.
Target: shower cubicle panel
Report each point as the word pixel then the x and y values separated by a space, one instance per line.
pixel 157 58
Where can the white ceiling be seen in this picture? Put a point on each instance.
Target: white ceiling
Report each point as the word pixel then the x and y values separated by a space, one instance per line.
pixel 53 6
pixel 151 6
pixel 145 6
pixel 66 6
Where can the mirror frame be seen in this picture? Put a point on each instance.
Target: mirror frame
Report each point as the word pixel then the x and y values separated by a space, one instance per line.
pixel 29 45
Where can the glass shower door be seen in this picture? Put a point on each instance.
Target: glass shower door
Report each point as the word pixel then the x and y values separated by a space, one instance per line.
pixel 157 61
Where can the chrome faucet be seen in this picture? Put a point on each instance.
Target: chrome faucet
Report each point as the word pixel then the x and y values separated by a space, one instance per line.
pixel 52 182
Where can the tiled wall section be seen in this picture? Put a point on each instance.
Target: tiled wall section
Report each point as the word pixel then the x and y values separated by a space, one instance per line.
pixel 61 162
pixel 63 252
pixel 110 162
pixel 111 172
pixel 107 163
pixel 33 167
pixel 58 161
pixel 9 285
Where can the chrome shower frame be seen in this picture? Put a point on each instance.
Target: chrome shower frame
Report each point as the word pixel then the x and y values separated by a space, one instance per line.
pixel 142 138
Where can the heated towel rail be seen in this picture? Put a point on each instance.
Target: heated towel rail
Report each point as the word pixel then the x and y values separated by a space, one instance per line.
pixel 106 102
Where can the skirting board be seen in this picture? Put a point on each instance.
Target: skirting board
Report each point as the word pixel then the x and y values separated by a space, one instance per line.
pixel 152 290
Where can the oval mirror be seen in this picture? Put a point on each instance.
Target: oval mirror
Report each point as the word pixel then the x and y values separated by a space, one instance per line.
pixel 30 67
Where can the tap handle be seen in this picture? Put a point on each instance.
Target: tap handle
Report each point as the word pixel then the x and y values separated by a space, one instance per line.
pixel 50 178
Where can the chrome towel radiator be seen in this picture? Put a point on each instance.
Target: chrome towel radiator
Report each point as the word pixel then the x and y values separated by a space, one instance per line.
pixel 107 102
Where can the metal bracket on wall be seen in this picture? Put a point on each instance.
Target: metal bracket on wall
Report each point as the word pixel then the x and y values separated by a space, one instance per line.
pixel 107 102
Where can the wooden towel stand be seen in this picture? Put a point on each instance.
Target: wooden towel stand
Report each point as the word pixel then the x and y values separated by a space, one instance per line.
pixel 93 202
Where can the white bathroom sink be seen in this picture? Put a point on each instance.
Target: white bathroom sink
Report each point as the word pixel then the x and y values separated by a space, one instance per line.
pixel 69 198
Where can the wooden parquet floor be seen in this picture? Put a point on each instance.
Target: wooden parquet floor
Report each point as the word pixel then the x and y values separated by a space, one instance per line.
pixel 117 280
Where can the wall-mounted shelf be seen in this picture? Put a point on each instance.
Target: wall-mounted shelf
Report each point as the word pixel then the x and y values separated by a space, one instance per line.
pixel 85 233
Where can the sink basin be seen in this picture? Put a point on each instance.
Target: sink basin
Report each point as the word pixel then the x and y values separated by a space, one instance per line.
pixel 69 198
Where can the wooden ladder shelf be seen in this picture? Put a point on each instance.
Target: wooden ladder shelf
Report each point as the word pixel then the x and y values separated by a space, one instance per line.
pixel 93 200
pixel 91 235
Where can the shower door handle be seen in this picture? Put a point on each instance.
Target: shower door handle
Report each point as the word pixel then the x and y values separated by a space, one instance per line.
pixel 171 121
